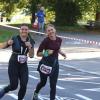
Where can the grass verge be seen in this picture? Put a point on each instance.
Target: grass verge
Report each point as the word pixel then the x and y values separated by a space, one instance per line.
pixel 6 34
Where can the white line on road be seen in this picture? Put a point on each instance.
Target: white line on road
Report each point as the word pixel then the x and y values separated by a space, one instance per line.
pixel 59 87
pixel 80 69
pixel 77 78
pixel 13 95
pixel 10 94
pixel 33 77
pixel 34 71
pixel 93 89
pixel 1 86
pixel 85 82
pixel 61 70
pixel 83 97
pixel 32 64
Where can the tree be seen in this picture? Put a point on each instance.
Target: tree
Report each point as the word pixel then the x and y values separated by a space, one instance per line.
pixel 90 6
pixel 10 6
pixel 97 10
pixel 67 12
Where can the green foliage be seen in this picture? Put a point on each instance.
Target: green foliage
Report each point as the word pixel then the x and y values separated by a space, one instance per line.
pixel 10 6
pixel 50 16
pixel 6 34
pixel 89 8
pixel 67 12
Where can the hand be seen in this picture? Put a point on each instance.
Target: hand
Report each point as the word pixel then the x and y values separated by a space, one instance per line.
pixel 64 55
pixel 47 52
pixel 28 44
pixel 10 42
pixel 50 51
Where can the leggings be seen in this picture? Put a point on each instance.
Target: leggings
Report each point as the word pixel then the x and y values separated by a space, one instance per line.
pixel 53 81
pixel 17 72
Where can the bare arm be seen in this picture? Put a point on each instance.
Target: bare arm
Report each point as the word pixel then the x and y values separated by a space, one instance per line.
pixel 31 49
pixel 31 53
pixel 3 45
pixel 39 54
pixel 6 44
pixel 63 54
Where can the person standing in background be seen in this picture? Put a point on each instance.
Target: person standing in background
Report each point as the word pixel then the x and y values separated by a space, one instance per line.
pixel 41 18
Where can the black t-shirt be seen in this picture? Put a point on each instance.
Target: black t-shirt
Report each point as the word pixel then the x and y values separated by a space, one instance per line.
pixel 19 47
pixel 52 45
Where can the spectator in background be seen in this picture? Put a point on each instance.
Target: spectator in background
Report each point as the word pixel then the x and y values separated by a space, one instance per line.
pixel 8 19
pixel 41 16
pixel 1 19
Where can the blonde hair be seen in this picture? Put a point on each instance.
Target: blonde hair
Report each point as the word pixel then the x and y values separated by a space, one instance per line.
pixel 50 25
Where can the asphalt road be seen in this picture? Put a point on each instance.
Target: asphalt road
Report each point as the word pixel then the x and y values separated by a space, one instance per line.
pixel 79 77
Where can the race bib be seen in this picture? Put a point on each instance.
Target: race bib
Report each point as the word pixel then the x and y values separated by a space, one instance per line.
pixel 45 69
pixel 22 59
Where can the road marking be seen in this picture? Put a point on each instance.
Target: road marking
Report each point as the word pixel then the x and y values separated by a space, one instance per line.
pixel 69 74
pixel 30 64
pixel 76 78
pixel 85 82
pixel 34 71
pixel 64 74
pixel 1 86
pixel 13 95
pixel 61 70
pixel 10 94
pixel 46 97
pixel 83 97
pixel 33 77
pixel 59 87
pixel 79 69
pixel 93 89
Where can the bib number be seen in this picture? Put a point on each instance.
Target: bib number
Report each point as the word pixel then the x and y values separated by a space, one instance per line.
pixel 45 69
pixel 22 59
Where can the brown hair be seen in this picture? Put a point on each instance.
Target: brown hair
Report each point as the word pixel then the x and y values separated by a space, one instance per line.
pixel 24 24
